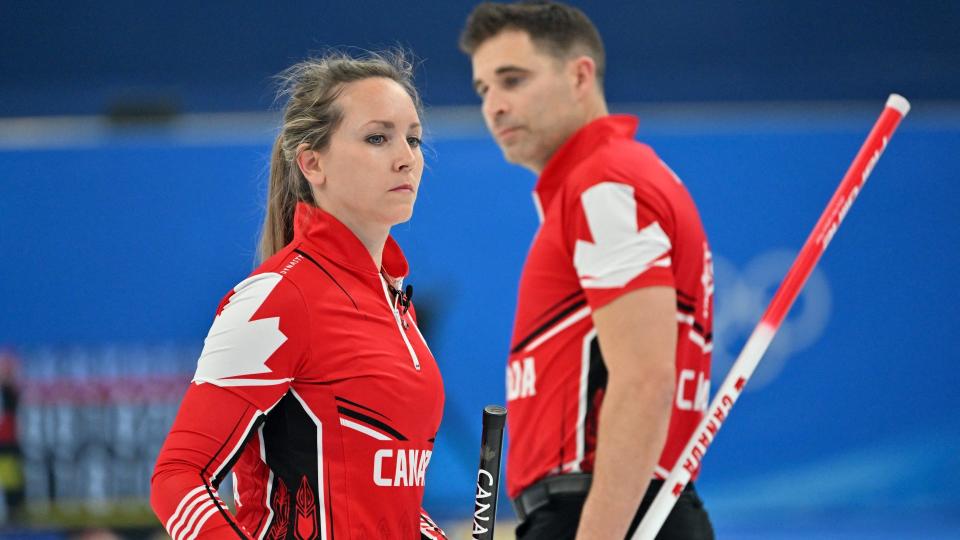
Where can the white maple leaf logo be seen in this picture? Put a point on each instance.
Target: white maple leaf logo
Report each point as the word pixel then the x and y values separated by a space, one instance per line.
pixel 237 346
pixel 619 252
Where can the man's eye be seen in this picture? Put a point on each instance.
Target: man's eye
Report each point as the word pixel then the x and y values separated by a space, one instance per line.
pixel 510 82
pixel 414 142
pixel 376 139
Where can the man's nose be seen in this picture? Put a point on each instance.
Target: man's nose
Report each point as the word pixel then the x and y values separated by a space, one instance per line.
pixel 494 106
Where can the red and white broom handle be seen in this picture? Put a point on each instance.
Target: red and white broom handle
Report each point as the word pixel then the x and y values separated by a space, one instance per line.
pixel 689 461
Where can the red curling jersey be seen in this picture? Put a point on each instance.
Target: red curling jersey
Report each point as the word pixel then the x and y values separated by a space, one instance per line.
pixel 614 218
pixel 318 391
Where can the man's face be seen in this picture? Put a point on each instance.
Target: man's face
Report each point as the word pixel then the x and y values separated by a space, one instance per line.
pixel 528 96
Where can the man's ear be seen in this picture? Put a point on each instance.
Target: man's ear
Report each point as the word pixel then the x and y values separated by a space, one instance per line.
pixel 584 71
pixel 311 165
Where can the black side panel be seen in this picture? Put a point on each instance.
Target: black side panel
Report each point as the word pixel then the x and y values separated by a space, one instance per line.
pixel 290 441
pixel 596 387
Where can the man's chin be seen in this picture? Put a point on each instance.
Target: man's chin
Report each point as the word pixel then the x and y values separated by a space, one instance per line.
pixel 512 155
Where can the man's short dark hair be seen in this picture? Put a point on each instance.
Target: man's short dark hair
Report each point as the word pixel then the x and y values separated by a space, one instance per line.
pixel 557 29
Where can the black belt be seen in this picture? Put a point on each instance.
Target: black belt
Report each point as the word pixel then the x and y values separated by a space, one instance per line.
pixel 540 494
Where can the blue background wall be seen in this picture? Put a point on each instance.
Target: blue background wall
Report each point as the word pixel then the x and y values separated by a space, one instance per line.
pixel 134 239
pixel 63 58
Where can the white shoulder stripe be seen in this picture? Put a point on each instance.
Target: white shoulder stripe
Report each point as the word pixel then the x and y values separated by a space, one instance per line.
pixel 619 251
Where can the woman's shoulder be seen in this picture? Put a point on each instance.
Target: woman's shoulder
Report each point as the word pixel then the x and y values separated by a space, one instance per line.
pixel 304 270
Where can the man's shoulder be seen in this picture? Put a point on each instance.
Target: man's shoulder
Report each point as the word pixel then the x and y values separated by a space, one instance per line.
pixel 623 161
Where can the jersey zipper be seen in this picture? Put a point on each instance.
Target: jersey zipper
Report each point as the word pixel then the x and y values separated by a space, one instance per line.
pixel 396 317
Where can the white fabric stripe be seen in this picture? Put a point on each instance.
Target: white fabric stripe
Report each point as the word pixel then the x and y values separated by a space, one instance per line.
pixel 223 463
pixel 363 429
pixel 194 515
pixel 200 523
pixel 263 458
pixel 236 447
pixel 266 501
pixel 322 510
pixel 582 407
pixel 697 339
pixel 240 382
pixel 396 316
pixel 417 328
pixel 538 206
pixel 591 282
pixel 660 472
pixel 560 327
pixel 236 490
pixel 188 511
pixel 183 502
pixel 424 517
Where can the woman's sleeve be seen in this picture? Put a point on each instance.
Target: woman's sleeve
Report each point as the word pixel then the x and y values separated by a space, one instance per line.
pixel 428 529
pixel 251 354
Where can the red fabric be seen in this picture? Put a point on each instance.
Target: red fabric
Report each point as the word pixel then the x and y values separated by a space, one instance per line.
pixel 308 390
pixel 599 182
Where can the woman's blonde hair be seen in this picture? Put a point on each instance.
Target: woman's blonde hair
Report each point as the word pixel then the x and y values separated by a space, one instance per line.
pixel 310 117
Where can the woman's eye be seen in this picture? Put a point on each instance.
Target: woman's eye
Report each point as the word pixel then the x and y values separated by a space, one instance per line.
pixel 376 139
pixel 414 142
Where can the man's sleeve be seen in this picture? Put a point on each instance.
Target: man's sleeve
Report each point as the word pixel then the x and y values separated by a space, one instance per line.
pixel 251 354
pixel 620 241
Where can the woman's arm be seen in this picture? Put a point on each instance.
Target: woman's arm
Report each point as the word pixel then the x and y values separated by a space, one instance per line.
pixel 249 358
pixel 428 529
pixel 206 438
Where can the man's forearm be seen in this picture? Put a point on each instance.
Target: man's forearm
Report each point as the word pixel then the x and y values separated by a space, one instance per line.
pixel 632 430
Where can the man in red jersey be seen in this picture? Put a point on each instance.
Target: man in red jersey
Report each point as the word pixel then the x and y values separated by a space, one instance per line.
pixel 609 367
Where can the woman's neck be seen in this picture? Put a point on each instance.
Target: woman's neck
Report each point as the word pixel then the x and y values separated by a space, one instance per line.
pixel 372 236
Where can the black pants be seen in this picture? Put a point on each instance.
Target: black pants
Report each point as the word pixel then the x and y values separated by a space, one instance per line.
pixel 559 519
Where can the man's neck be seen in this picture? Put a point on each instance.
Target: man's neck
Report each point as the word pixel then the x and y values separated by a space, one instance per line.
pixel 596 109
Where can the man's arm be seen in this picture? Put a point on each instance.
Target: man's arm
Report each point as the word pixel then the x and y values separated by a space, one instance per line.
pixel 638 339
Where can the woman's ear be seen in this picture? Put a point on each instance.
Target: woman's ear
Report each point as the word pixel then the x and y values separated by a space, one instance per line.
pixel 311 165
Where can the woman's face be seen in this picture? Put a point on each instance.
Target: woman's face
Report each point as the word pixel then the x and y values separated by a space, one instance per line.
pixel 371 169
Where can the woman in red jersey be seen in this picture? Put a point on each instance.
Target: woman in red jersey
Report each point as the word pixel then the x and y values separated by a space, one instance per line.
pixel 315 387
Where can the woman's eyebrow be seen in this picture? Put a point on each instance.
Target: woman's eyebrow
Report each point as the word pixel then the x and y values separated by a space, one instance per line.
pixel 390 125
